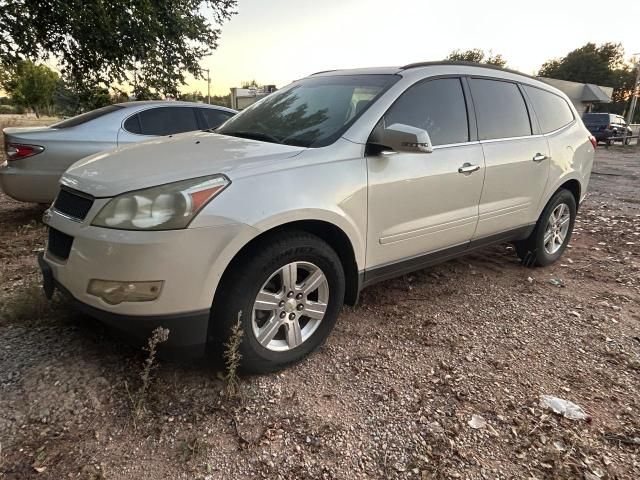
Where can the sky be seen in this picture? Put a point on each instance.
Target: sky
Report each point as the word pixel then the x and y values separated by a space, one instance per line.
pixel 278 41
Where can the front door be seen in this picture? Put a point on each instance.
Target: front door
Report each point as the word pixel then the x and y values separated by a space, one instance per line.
pixel 421 203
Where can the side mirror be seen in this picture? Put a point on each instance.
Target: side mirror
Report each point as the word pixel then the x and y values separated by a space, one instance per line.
pixel 402 138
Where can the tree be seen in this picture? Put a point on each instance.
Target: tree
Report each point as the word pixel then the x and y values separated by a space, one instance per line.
pixel 477 55
pixel 101 42
pixel 32 86
pixel 250 84
pixel 192 97
pixel 601 65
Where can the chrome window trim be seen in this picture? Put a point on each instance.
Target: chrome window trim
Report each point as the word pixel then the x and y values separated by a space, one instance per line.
pixel 570 124
pixel 494 140
pixel 460 144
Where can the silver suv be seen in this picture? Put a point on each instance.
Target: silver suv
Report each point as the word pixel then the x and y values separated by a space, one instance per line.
pixel 290 208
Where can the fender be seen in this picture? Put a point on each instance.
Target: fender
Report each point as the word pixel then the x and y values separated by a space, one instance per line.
pixel 249 233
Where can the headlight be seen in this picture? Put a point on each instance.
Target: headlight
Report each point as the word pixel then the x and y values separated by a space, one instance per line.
pixel 166 207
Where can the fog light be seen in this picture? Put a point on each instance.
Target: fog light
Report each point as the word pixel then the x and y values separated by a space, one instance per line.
pixel 117 292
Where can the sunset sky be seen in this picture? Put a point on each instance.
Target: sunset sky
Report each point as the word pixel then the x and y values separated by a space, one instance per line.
pixel 277 41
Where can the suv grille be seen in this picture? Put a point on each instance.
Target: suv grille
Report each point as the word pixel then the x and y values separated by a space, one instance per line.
pixel 59 243
pixel 72 204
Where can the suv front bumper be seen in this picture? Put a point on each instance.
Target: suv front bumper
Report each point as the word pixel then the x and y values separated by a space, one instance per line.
pixel 189 263
pixel 187 331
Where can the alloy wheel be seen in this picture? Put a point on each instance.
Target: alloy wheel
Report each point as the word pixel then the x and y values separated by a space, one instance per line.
pixel 557 228
pixel 290 306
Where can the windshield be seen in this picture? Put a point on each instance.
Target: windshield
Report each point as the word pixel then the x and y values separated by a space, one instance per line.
pixel 313 112
pixel 595 118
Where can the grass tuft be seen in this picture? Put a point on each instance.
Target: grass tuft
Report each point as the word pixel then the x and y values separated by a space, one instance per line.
pixel 138 398
pixel 31 305
pixel 233 358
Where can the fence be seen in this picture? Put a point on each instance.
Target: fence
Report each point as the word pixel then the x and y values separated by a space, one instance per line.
pixel 633 139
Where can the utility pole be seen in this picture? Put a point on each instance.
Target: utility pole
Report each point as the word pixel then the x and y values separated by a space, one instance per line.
pixel 208 87
pixel 635 93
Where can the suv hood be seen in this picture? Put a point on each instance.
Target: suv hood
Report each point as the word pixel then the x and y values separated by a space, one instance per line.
pixel 169 159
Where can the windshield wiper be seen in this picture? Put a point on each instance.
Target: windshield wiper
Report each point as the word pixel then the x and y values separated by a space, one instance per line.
pixel 265 137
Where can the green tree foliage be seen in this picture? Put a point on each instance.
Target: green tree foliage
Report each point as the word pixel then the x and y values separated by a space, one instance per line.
pixel 601 65
pixel 477 55
pixel 103 42
pixel 32 86
pixel 193 97
pixel 250 84
pixel 222 100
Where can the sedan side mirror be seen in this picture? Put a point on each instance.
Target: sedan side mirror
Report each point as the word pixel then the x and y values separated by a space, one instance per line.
pixel 402 138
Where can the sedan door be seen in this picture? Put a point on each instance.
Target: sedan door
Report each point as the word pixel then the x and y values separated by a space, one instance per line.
pixel 421 204
pixel 516 156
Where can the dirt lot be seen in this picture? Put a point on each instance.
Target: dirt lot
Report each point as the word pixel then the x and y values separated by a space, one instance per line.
pixel 390 395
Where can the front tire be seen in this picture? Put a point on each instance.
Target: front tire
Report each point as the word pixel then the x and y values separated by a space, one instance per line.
pixel 552 233
pixel 290 289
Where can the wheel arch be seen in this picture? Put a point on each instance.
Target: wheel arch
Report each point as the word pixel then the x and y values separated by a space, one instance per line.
pixel 335 236
pixel 573 185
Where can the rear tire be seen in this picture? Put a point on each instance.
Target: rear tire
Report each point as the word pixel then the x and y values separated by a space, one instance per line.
pixel 552 232
pixel 283 319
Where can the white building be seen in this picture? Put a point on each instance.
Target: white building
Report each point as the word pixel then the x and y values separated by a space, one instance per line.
pixel 241 98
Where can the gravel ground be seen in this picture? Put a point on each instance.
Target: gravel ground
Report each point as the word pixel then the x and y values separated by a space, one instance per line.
pixel 393 392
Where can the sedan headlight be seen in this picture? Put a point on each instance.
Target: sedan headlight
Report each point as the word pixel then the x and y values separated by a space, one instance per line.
pixel 166 207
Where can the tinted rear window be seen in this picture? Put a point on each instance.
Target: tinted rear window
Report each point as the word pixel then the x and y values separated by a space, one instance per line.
pixel 132 124
pixel 86 117
pixel 167 120
pixel 595 118
pixel 500 109
pixel 552 111
pixel 436 106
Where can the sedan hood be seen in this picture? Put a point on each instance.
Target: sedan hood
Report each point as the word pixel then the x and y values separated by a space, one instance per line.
pixel 170 159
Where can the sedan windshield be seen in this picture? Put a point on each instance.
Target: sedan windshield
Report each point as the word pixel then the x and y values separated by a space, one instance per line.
pixel 313 112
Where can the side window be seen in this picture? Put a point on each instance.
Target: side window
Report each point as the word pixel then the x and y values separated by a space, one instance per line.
pixel 436 106
pixel 167 120
pixel 214 118
pixel 132 124
pixel 500 109
pixel 552 111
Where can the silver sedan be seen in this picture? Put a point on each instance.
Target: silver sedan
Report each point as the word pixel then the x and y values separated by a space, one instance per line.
pixel 36 157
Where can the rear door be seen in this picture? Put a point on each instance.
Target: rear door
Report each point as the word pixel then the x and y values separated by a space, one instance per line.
pixel 157 122
pixel 516 157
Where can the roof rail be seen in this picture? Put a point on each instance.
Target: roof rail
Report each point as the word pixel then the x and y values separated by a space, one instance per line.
pixel 463 64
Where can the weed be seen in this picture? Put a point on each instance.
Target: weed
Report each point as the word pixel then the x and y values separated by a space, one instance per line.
pixel 232 359
pixel 190 448
pixel 138 398
pixel 30 304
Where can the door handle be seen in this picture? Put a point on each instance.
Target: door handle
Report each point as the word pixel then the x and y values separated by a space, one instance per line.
pixel 538 157
pixel 468 168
